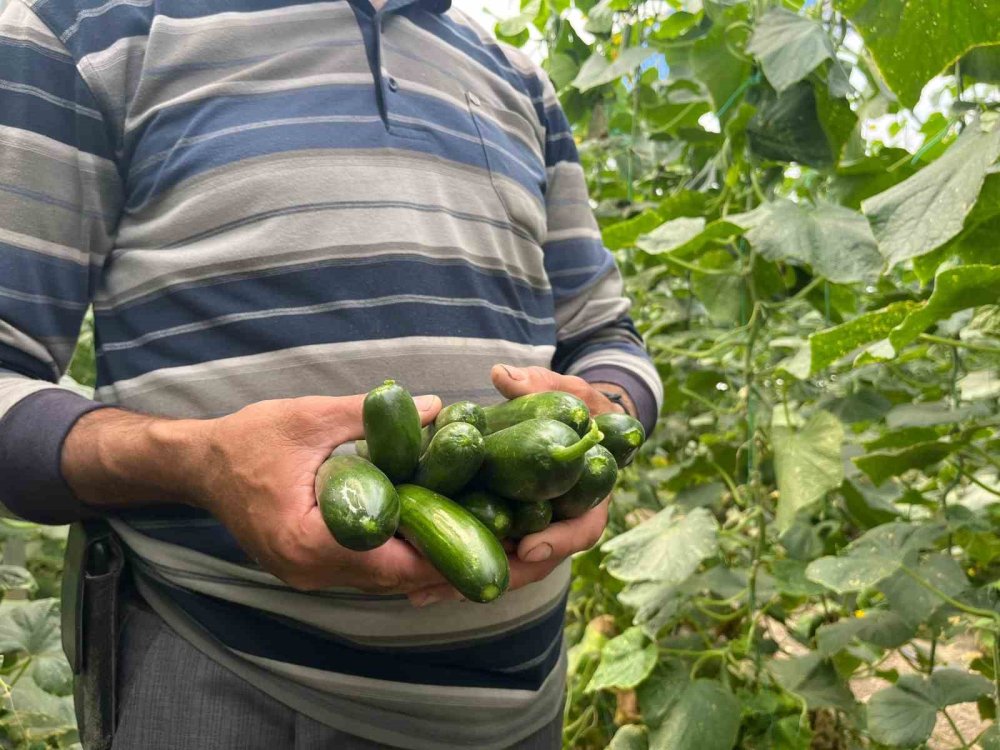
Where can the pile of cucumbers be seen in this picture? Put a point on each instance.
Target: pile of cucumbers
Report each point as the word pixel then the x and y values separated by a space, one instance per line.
pixel 478 475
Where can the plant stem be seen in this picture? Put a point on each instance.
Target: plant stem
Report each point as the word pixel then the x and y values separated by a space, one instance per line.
pixel 955 729
pixel 969 610
pixel 957 343
pixel 996 670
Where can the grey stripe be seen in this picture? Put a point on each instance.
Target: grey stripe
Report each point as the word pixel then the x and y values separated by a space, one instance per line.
pixel 355 304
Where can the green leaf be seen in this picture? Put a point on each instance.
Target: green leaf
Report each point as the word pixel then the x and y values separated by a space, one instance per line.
pixel 711 61
pixel 900 715
pixel 905 713
pixel 990 739
pixel 719 293
pixel 38 714
pixel 874 556
pixel 883 628
pixel 626 661
pixel 630 737
pixel 14 578
pixel 790 578
pixel 685 236
pixel 655 604
pixel 807 462
pixel 706 716
pixel 562 69
pixel 787 128
pixel 829 345
pixel 892 462
pixel 625 233
pixel 511 27
pixel 814 680
pixel 835 242
pixel 789 46
pixel 661 690
pixel 928 209
pixel 31 629
pixel 912 42
pixel 912 601
pixel 954 289
pixel 665 548
pixel 598 70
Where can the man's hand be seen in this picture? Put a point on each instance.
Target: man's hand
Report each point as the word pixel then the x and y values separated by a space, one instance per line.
pixel 255 471
pixel 537 555
pixel 519 381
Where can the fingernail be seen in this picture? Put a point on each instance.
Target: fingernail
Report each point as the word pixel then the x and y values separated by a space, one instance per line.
pixel 538 554
pixel 424 599
pixel 425 403
pixel 515 373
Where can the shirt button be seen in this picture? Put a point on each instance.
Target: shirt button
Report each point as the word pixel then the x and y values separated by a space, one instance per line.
pixel 474 99
pixel 393 86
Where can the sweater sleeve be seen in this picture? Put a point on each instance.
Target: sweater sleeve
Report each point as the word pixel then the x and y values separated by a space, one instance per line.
pixel 595 335
pixel 60 194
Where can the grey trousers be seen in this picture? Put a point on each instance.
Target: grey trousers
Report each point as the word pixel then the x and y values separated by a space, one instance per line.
pixel 172 697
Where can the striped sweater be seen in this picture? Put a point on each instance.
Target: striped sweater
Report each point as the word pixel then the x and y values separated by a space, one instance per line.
pixel 265 198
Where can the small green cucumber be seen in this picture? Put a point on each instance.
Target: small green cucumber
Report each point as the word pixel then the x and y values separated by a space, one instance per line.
pixel 462 411
pixel 600 472
pixel 456 543
pixel 538 459
pixel 557 405
pixel 358 502
pixel 530 518
pixel 452 459
pixel 392 430
pixel 493 512
pixel 623 436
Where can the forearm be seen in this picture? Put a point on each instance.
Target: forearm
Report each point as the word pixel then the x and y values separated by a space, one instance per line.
pixel 117 459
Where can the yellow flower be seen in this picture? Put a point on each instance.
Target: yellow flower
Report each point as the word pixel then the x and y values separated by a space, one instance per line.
pixel 859 613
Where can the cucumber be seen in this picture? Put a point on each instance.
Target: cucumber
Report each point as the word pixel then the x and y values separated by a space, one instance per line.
pixel 557 405
pixel 426 435
pixel 358 502
pixel 623 436
pixel 392 430
pixel 493 512
pixel 455 542
pixel 361 446
pixel 530 518
pixel 462 411
pixel 600 472
pixel 535 460
pixel 452 459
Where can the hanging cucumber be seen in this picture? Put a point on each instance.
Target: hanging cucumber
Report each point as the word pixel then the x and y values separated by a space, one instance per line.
pixel 462 411
pixel 530 518
pixel 557 405
pixel 455 542
pixel 452 459
pixel 392 430
pixel 623 436
pixel 600 472
pixel 535 460
pixel 493 512
pixel 358 502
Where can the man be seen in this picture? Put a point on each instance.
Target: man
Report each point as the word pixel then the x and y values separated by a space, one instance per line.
pixel 272 206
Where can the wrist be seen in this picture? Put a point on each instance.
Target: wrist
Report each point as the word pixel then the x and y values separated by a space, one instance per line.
pixel 617 395
pixel 114 458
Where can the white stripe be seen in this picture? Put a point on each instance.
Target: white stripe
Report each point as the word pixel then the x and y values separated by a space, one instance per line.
pixel 21 88
pixel 85 15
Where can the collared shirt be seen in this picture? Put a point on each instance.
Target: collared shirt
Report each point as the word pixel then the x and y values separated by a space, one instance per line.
pixel 261 199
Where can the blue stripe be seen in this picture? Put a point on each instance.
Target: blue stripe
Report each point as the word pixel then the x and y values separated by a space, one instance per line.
pixel 17 361
pixel 96 33
pixel 56 121
pixel 245 338
pixel 43 275
pixel 576 265
pixel 572 350
pixel 557 148
pixel 186 140
pixel 31 65
pixel 331 280
pixel 479 664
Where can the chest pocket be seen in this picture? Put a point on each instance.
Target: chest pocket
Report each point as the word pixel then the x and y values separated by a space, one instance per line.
pixel 513 154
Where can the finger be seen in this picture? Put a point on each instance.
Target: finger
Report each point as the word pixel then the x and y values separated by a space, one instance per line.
pixel 512 382
pixel 524 573
pixel 564 538
pixel 344 414
pixel 393 567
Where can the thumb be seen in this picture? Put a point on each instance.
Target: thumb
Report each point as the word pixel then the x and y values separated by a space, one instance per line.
pixel 513 381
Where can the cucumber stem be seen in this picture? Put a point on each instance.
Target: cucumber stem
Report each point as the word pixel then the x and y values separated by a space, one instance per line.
pixel 566 453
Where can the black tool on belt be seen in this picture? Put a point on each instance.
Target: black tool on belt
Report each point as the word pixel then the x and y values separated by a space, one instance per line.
pixel 91 598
